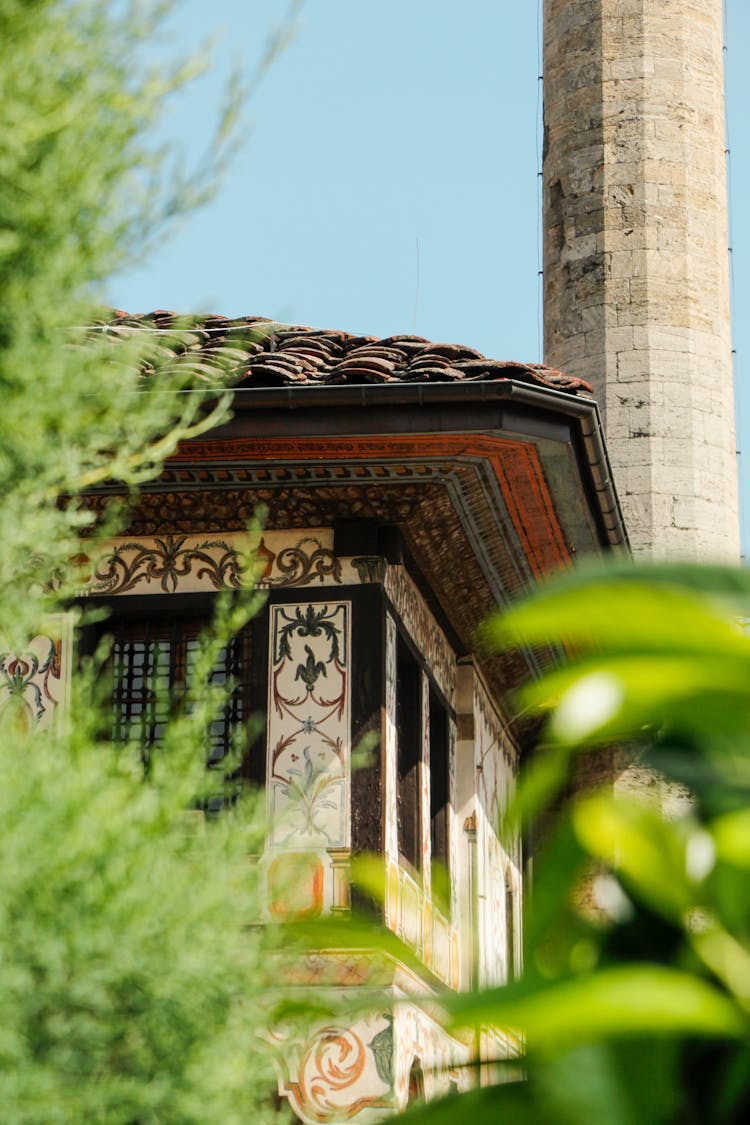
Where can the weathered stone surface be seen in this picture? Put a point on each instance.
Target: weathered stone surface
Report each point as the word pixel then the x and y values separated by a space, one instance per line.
pixel 636 266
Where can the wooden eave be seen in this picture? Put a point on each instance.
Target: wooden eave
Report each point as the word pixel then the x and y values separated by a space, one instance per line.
pixel 490 485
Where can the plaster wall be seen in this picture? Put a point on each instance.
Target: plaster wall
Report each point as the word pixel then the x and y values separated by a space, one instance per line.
pixel 636 289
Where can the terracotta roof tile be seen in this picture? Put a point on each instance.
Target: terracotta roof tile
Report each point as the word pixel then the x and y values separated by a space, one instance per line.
pixel 253 351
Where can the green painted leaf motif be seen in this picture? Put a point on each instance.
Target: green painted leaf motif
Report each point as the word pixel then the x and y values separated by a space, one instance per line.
pixel 381 1046
pixel 311 670
pixel 312 623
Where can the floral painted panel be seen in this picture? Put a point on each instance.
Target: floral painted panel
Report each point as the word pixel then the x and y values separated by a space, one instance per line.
pixel 168 563
pixel 308 765
pixel 35 681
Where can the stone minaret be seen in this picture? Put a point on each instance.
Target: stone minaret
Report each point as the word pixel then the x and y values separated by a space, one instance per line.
pixel 636 291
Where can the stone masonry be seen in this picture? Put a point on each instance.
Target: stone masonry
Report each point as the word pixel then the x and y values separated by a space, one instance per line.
pixel 636 290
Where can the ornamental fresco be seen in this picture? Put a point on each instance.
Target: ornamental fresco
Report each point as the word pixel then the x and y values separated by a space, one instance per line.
pixel 35 682
pixel 308 765
pixel 341 1073
pixel 363 1070
pixel 192 563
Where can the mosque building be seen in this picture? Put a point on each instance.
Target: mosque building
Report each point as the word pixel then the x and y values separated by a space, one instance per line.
pixel 412 487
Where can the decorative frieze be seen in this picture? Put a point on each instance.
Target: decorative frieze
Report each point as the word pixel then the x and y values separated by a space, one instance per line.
pixel 166 564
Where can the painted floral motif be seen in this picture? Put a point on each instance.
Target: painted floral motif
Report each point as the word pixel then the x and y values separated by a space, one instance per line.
pixel 308 725
pixel 31 681
pixel 164 564
pixel 361 1072
pixel 165 561
pixel 304 563
pixel 369 568
pixel 344 1073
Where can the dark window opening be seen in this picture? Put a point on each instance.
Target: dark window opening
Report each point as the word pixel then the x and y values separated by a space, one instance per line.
pixel 439 802
pixel 416 1083
pixel 409 737
pixel 510 933
pixel 152 666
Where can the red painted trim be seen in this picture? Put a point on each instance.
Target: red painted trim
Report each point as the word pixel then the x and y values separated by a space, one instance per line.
pixel 516 465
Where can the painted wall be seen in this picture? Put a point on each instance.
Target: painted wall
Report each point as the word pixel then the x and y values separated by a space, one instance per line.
pixel 367 1067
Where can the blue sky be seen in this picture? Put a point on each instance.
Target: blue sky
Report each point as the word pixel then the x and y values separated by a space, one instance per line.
pixel 388 180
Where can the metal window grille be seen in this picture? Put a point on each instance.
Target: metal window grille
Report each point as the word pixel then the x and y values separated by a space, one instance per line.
pixel 153 665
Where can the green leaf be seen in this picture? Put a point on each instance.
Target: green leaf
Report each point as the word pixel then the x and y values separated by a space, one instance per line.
pixel 731 834
pixel 368 873
pixel 627 1000
pixel 641 845
pixel 613 697
pixel 512 1101
pixel 621 615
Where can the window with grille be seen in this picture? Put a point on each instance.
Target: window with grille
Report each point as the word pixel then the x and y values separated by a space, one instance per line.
pixel 152 666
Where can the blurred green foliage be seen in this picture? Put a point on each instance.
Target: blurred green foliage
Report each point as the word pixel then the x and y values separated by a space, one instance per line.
pixel 635 999
pixel 132 966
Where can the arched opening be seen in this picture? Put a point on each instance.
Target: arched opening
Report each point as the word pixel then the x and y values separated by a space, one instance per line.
pixel 416 1083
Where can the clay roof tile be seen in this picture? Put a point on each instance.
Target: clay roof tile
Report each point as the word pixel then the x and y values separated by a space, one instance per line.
pixel 254 351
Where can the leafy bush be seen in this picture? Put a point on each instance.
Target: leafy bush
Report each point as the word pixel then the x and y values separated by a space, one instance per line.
pixel 636 992
pixel 133 973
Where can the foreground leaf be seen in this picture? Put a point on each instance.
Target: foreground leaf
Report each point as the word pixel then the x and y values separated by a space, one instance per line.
pixel 627 1000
